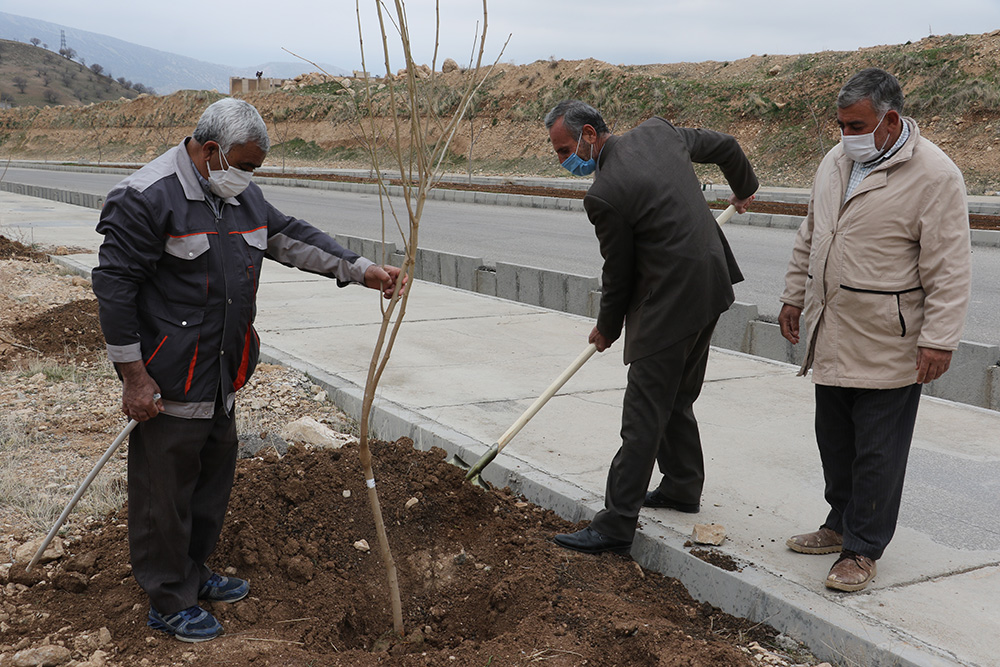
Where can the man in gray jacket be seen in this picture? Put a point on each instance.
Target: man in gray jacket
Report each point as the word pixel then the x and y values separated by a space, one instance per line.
pixel 184 240
pixel 881 273
pixel 668 275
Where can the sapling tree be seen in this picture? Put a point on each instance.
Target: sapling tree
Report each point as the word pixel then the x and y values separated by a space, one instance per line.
pixel 416 134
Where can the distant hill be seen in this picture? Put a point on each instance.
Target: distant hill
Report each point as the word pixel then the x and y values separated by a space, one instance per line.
pixel 162 71
pixel 31 76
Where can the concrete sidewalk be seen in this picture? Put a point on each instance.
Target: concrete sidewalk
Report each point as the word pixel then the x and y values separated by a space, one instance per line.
pixel 465 366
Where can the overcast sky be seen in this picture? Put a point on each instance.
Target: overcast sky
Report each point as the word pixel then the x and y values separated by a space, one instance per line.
pixel 252 32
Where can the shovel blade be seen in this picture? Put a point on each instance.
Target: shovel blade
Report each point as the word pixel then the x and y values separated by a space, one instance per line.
pixel 484 461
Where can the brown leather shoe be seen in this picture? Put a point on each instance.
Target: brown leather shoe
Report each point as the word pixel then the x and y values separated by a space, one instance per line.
pixel 823 541
pixel 851 572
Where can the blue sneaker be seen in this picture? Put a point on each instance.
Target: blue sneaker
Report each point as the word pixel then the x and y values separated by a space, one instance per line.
pixel 223 589
pixel 193 624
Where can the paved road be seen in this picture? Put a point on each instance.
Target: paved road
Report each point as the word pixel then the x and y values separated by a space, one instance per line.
pixel 556 240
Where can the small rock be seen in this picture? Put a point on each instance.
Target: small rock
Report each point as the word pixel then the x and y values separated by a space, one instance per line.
pixel 774 71
pixel 708 533
pixel 411 502
pixel 25 552
pixel 309 431
pixel 449 65
pixel 104 636
pixel 43 656
pixel 347 493
pixel 362 545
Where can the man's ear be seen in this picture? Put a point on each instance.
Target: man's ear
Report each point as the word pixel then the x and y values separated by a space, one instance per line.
pixel 589 134
pixel 208 149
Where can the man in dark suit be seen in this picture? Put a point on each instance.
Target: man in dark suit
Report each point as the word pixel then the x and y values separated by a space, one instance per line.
pixel 668 275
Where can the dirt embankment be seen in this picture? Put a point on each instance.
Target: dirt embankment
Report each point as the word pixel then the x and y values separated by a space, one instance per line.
pixel 780 107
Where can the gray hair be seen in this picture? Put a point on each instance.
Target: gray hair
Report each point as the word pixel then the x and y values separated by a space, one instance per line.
pixel 232 122
pixel 575 115
pixel 875 85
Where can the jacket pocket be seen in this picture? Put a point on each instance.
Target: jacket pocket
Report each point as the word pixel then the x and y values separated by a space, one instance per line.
pixel 189 246
pixel 173 354
pixel 897 311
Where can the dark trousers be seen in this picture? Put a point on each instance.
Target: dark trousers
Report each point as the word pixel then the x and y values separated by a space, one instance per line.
pixel 658 425
pixel 864 441
pixel 180 474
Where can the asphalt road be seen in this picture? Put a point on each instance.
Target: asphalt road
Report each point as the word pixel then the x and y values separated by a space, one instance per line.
pixel 556 240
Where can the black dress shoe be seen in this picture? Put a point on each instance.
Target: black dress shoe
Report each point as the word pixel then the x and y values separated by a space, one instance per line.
pixel 656 499
pixel 589 541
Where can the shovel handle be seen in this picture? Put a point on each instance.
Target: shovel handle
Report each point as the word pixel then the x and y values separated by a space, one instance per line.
pixel 80 491
pixel 546 395
pixel 726 215
pixel 509 434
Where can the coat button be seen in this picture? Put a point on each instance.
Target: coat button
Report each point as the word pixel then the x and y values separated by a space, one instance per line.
pixel 184 323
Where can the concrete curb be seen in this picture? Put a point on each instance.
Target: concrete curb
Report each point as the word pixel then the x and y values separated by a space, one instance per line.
pixel 830 630
pixel 974 377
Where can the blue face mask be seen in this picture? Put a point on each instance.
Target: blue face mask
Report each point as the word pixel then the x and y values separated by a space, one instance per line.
pixel 577 166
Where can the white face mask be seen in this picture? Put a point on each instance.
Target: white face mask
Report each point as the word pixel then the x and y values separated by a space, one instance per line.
pixel 861 147
pixel 228 182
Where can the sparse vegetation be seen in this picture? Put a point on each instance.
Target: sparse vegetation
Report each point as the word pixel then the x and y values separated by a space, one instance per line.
pixel 781 108
pixel 41 77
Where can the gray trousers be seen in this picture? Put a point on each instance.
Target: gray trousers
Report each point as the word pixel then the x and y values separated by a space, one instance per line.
pixel 180 474
pixel 864 441
pixel 658 425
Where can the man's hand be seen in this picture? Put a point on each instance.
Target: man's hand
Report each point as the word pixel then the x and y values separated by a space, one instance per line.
pixel 931 364
pixel 740 204
pixel 140 393
pixel 598 339
pixel 788 319
pixel 382 278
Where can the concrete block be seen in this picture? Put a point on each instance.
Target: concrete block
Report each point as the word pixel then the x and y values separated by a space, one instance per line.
pixel 506 275
pixel 552 290
pixel 594 303
pixel 993 377
pixel 486 281
pixel 985 237
pixel 787 221
pixel 733 330
pixel 519 283
pixel 766 341
pixel 578 294
pixel 428 266
pixel 966 380
pixel 458 270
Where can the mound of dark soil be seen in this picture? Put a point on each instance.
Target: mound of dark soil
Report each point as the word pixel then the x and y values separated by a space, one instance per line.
pixel 482 582
pixel 10 249
pixel 72 328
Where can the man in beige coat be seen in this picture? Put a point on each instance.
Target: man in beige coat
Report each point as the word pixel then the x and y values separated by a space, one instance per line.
pixel 881 272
